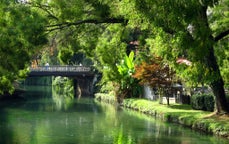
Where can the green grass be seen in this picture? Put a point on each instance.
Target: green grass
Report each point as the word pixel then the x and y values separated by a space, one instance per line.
pixel 183 114
pixel 177 113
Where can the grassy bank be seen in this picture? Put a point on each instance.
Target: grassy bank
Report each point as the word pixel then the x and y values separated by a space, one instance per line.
pixel 176 113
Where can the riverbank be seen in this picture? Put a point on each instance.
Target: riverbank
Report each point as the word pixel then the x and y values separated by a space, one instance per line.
pixel 204 121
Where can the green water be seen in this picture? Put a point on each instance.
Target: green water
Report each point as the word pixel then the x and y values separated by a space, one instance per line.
pixel 48 118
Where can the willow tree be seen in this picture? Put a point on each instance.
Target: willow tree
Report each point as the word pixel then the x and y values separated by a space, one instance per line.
pixel 187 29
pixel 21 33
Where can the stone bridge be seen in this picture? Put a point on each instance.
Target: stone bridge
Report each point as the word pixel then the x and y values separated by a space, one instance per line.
pixel 84 77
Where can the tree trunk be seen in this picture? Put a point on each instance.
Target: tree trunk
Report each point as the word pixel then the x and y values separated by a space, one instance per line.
pixel 167 98
pixel 217 84
pixel 220 97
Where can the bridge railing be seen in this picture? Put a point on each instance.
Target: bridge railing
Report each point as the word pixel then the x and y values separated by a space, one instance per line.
pixel 60 69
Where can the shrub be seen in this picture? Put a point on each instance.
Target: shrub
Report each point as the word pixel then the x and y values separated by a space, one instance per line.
pixel 209 102
pixel 197 102
pixel 203 102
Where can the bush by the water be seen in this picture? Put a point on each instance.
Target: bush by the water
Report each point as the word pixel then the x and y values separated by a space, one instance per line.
pixel 197 102
pixel 203 102
pixel 209 102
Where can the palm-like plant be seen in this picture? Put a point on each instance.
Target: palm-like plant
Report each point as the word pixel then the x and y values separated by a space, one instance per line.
pixel 128 86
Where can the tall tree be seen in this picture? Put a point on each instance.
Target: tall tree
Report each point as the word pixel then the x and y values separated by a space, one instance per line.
pixel 87 26
pixel 177 28
pixel 21 32
pixel 183 29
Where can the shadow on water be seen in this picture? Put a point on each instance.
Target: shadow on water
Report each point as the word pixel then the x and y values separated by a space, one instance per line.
pixel 7 134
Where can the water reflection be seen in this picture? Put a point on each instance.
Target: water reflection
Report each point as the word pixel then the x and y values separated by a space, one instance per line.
pixel 63 99
pixel 40 120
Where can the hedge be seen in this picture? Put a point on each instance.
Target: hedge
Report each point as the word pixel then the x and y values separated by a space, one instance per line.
pixel 203 102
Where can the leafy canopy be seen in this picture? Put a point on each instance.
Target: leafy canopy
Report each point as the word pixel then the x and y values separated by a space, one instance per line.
pixel 21 33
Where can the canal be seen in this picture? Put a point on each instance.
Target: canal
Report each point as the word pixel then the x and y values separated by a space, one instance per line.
pixel 45 117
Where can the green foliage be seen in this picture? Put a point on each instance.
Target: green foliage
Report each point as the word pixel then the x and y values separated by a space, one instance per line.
pixel 63 85
pixel 109 98
pixel 65 55
pixel 5 85
pixel 203 102
pixel 170 29
pixel 209 102
pixel 108 52
pixel 22 32
pixel 128 84
pixel 178 29
pixel 23 73
pixel 126 68
pixel 222 53
pixel 197 102
pixel 219 18
pixel 185 29
pixel 63 92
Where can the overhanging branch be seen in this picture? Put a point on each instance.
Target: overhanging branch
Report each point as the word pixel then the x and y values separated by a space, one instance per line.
pixel 88 21
pixel 43 7
pixel 221 35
